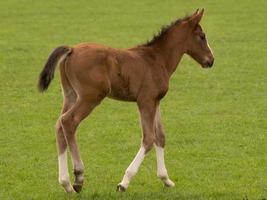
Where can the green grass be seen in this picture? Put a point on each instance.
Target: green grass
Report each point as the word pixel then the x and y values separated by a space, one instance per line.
pixel 215 120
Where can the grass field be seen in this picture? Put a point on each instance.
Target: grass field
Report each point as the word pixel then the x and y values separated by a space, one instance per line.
pixel 215 120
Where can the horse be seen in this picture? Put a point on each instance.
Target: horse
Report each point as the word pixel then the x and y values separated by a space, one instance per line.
pixel 90 72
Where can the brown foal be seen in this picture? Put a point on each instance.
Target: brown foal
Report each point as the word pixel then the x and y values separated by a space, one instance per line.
pixel 91 72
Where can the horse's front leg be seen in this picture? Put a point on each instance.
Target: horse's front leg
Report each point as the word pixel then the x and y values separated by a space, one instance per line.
pixel 147 109
pixel 159 146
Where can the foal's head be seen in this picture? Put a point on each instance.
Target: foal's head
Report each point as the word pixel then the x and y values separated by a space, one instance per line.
pixel 197 45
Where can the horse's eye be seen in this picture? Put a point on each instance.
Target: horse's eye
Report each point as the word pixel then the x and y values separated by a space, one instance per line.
pixel 203 37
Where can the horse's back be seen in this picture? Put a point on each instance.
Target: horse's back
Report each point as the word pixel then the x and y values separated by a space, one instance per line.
pixel 86 68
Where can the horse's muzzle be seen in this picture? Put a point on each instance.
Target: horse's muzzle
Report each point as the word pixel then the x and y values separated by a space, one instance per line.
pixel 208 63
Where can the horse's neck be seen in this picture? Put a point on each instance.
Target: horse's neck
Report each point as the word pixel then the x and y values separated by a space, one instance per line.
pixel 171 50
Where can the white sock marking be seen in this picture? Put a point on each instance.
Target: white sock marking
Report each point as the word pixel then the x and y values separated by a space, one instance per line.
pixel 133 167
pixel 63 166
pixel 64 179
pixel 161 168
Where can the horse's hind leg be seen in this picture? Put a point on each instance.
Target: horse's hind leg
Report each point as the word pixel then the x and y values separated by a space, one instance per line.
pixel 69 100
pixel 62 154
pixel 70 121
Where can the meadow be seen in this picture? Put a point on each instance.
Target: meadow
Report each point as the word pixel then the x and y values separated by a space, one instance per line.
pixel 215 120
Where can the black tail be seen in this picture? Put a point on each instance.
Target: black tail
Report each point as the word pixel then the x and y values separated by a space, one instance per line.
pixel 48 71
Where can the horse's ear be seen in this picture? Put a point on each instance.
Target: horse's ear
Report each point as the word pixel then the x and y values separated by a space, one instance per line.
pixel 196 17
pixel 201 13
pixel 196 12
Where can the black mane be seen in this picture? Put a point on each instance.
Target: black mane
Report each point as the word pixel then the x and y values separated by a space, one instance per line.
pixel 164 30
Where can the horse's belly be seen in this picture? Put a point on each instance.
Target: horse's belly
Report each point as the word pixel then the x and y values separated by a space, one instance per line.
pixel 122 93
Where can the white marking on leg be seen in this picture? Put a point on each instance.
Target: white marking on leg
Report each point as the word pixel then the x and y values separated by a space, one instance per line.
pixel 64 179
pixel 161 168
pixel 133 168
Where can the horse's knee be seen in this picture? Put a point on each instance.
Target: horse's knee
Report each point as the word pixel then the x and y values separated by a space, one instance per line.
pixel 160 141
pixel 148 143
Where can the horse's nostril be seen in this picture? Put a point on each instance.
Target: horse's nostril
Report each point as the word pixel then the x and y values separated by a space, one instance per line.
pixel 211 63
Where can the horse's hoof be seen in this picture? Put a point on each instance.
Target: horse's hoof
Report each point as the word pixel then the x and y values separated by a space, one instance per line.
pixel 69 190
pixel 77 187
pixel 169 183
pixel 120 188
pixel 67 186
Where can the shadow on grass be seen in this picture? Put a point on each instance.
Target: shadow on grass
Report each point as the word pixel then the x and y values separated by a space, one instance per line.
pixel 151 195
